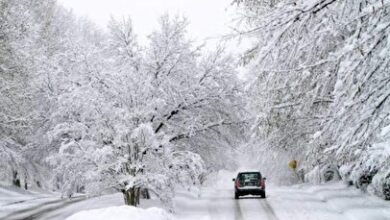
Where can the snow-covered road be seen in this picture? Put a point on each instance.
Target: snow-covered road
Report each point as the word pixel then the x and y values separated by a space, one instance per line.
pixel 326 202
pixel 220 204
pixel 59 209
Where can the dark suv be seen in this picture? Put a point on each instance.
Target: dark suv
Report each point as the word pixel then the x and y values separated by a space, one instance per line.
pixel 249 183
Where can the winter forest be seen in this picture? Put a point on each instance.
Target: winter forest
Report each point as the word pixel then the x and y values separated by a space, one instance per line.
pixel 91 110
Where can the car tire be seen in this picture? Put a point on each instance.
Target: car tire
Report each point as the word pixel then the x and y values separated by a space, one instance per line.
pixel 263 195
pixel 236 196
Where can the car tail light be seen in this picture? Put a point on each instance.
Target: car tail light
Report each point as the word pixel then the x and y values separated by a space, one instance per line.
pixel 238 183
pixel 262 184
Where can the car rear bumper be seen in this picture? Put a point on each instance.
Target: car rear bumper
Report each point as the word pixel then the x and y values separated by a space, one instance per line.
pixel 250 191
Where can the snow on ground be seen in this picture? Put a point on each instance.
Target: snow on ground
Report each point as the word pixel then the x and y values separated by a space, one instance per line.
pixel 122 213
pixel 333 201
pixel 328 201
pixel 13 199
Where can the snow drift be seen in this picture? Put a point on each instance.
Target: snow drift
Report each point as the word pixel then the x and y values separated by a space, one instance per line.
pixel 122 213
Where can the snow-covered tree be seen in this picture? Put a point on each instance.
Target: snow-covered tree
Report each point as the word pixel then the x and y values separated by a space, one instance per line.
pixel 21 55
pixel 319 78
pixel 85 110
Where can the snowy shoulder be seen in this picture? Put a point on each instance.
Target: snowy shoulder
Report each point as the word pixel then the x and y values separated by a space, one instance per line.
pixel 122 213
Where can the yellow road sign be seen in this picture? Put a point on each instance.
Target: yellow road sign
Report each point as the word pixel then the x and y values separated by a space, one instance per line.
pixel 293 164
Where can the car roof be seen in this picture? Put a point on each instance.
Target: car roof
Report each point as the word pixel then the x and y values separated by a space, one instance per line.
pixel 249 172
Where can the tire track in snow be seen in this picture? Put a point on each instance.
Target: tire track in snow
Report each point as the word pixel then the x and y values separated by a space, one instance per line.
pixel 24 201
pixel 269 210
pixel 222 205
pixel 237 211
pixel 255 208
pixel 37 211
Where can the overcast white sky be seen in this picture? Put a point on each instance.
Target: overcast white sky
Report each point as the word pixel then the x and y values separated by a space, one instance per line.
pixel 208 18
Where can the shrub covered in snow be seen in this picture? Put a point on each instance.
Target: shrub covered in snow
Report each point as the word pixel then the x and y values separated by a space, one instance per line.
pixel 381 183
pixel 345 173
pixel 324 174
pixel 372 173
pixel 381 179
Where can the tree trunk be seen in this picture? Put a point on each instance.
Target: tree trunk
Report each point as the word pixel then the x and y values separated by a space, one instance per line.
pixel 25 183
pixel 15 179
pixel 145 193
pixel 132 196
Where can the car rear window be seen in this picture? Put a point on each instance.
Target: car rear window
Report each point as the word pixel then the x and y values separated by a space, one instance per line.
pixel 249 176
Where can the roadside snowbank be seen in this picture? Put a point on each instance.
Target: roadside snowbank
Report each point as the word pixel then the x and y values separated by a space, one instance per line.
pixel 331 201
pixel 122 213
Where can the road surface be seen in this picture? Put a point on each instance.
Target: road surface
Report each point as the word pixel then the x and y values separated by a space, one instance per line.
pixel 39 210
pixel 220 204
pixel 325 202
